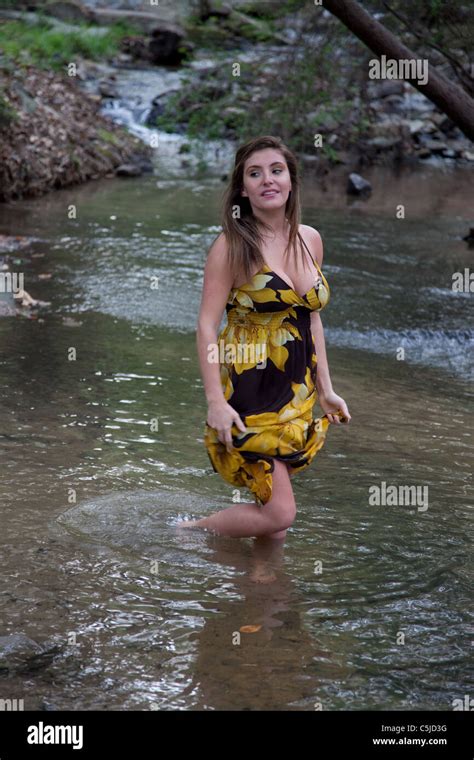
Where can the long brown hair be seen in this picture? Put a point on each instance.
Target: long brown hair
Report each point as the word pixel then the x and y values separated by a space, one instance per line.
pixel 242 229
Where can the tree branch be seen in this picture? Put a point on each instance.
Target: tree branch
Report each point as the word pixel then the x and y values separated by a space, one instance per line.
pixel 452 99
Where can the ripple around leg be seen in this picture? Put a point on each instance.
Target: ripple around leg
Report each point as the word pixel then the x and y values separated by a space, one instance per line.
pixel 136 520
pixel 186 522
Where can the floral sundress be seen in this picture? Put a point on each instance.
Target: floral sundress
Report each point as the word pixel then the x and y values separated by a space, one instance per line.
pixel 268 369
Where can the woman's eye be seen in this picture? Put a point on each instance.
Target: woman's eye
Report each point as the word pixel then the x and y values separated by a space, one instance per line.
pixel 255 172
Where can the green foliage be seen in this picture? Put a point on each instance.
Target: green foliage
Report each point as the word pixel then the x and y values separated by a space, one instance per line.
pixel 435 7
pixel 330 152
pixel 44 46
pixel 226 106
pixel 217 33
pixel 449 24
pixel 257 34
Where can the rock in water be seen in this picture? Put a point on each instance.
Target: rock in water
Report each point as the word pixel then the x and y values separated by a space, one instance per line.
pixel 21 654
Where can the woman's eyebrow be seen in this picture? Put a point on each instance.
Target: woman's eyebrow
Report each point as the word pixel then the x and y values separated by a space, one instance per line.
pixel 256 166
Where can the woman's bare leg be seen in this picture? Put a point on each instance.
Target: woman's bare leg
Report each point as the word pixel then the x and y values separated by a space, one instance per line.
pixel 278 534
pixel 249 519
pixel 267 557
pixel 282 533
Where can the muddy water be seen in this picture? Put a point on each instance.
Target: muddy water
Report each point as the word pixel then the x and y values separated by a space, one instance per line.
pixel 365 606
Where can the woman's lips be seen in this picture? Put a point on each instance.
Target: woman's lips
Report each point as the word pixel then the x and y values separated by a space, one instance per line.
pixel 269 193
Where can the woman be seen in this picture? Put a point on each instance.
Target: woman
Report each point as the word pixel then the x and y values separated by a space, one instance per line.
pixel 263 374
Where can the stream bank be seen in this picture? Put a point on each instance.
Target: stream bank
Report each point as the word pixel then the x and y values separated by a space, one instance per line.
pixel 55 136
pixel 305 81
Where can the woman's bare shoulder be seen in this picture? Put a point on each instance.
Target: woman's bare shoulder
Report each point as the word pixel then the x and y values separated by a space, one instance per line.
pixel 218 254
pixel 313 240
pixel 219 249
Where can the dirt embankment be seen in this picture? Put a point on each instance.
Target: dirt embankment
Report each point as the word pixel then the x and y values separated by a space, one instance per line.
pixel 52 135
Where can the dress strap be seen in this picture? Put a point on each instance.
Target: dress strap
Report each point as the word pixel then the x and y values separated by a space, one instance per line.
pixel 312 258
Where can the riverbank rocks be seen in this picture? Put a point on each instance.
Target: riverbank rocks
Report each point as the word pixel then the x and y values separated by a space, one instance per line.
pixel 166 45
pixel 19 653
pixel 210 8
pixel 357 185
pixel 469 238
pixel 134 169
pixel 110 11
pixel 70 11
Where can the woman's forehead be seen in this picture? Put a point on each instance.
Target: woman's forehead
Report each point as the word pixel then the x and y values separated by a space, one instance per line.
pixel 265 157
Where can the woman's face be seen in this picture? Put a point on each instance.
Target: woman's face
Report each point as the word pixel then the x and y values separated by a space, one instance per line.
pixel 266 179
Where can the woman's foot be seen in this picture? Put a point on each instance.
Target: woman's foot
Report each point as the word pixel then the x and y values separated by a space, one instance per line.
pixel 262 574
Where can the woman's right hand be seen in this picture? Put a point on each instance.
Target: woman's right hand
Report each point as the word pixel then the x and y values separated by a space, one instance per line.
pixel 221 416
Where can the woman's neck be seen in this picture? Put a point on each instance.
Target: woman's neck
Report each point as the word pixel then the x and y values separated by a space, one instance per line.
pixel 279 228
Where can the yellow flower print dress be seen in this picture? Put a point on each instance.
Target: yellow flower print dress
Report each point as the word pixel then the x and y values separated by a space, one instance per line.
pixel 268 368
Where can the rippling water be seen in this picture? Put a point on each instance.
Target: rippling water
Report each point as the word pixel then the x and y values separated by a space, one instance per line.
pixel 364 606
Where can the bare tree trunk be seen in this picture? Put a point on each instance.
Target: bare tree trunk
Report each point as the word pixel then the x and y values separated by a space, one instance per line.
pixel 447 95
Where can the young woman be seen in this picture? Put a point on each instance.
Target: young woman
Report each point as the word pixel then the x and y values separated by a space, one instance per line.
pixel 263 374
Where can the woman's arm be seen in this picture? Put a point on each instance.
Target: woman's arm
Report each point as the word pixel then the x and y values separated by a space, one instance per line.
pixel 323 381
pixel 329 401
pixel 323 378
pixel 217 285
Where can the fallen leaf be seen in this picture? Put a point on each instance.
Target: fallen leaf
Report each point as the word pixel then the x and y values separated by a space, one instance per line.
pixel 249 628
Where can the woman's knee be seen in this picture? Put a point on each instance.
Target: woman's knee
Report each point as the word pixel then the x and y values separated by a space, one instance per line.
pixel 281 508
pixel 283 517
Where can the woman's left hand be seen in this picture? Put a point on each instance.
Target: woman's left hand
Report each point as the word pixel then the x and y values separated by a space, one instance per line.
pixel 335 407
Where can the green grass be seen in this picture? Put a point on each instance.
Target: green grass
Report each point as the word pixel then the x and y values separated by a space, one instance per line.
pixel 43 46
